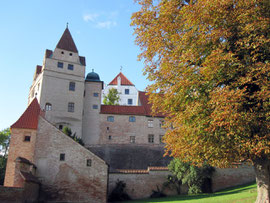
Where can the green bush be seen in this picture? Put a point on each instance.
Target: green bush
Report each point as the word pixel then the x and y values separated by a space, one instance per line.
pixel 198 179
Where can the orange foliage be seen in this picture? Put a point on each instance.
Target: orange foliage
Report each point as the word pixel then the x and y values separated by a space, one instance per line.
pixel 209 60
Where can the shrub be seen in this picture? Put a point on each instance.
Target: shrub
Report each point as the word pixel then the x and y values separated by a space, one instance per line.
pixel 198 179
pixel 119 193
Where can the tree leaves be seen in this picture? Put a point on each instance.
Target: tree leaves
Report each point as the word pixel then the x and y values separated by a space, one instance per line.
pixel 209 60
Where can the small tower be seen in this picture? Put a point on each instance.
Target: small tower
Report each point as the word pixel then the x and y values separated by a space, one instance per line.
pixel 59 84
pixel 92 102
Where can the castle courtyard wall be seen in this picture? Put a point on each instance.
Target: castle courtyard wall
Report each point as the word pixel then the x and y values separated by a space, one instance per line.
pixel 141 183
pixel 70 179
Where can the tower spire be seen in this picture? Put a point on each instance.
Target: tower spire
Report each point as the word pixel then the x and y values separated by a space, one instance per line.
pixel 67 25
pixel 66 42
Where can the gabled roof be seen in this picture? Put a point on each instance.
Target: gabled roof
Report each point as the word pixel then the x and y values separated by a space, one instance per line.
pixel 124 80
pixel 29 119
pixel 143 110
pixel 66 42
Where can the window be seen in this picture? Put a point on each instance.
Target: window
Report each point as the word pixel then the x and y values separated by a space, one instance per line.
pixel 161 123
pixel 60 65
pixel 89 162
pixel 110 118
pixel 72 86
pixel 62 52
pixel 70 107
pixel 107 129
pixel 109 137
pixel 95 106
pixel 132 119
pixel 62 157
pixel 161 139
pixel 95 94
pixel 70 67
pixel 48 107
pixel 126 91
pixel 70 54
pixel 150 123
pixel 129 101
pixel 60 127
pixel 27 138
pixel 132 139
pixel 151 138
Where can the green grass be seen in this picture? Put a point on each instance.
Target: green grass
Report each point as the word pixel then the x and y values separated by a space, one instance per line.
pixel 240 194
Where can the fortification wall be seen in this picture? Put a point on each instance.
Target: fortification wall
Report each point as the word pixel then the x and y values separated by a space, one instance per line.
pixel 68 172
pixel 141 183
pixel 131 156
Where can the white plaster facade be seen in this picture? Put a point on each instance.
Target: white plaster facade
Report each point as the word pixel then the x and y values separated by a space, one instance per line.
pixel 127 93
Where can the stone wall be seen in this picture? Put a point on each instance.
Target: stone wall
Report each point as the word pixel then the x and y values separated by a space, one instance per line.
pixel 28 193
pixel 67 170
pixel 121 129
pixel 131 156
pixel 141 183
pixel 228 177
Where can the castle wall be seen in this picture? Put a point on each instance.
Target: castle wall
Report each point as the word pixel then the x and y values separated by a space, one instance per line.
pixel 69 179
pixel 19 147
pixel 121 130
pixel 131 156
pixel 141 183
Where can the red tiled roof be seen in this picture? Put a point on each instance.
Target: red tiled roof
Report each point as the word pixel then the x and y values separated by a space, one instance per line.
pixel 66 42
pixel 140 171
pixel 82 60
pixel 124 80
pixel 143 110
pixel 29 119
pixel 125 110
pixel 48 53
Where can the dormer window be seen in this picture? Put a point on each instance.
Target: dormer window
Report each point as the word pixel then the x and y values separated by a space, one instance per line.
pixel 60 65
pixel 70 67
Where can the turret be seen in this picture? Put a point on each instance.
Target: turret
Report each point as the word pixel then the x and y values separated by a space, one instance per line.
pixel 92 102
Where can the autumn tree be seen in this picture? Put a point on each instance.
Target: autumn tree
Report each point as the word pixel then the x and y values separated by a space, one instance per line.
pixel 112 98
pixel 209 63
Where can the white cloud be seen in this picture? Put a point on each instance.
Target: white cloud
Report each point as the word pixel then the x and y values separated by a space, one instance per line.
pixel 106 24
pixel 90 17
pixel 102 20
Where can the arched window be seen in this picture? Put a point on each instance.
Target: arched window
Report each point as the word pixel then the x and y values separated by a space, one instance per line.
pixel 48 107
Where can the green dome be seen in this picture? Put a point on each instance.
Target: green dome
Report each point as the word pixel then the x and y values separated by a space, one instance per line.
pixel 92 77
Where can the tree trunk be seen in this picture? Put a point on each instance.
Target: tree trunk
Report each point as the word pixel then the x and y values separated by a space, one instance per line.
pixel 262 171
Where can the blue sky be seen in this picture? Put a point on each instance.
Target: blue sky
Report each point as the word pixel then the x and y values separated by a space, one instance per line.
pixel 100 28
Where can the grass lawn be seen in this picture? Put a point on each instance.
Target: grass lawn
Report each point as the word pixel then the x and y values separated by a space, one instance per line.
pixel 240 194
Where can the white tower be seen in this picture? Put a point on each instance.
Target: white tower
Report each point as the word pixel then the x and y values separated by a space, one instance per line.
pixel 59 85
pixel 91 116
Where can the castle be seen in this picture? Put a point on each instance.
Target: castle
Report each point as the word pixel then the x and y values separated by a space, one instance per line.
pixel 121 141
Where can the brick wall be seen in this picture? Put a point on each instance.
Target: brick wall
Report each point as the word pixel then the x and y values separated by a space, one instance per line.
pixel 19 147
pixel 70 179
